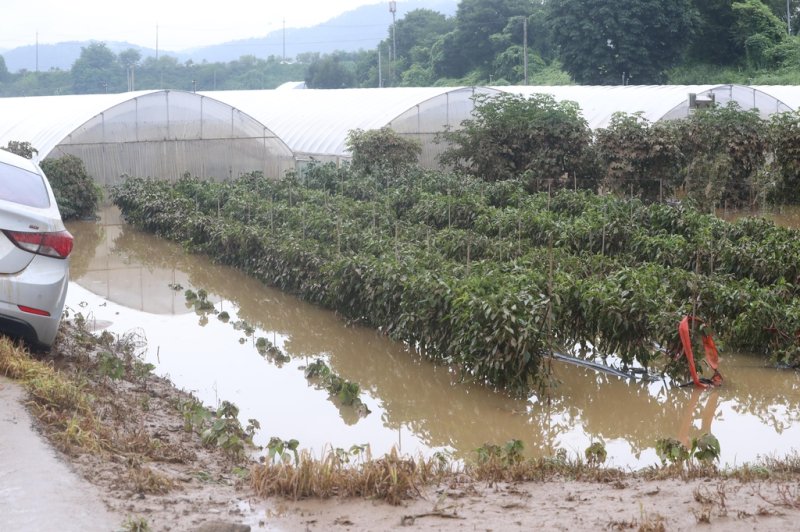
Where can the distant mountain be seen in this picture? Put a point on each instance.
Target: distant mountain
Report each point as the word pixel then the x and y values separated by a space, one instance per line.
pixel 361 28
pixel 62 55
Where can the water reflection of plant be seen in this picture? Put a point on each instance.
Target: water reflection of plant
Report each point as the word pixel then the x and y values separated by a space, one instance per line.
pixel 271 352
pixel 88 236
pixel 346 392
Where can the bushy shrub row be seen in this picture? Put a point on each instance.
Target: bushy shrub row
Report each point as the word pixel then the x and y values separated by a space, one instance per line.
pixel 501 281
pixel 717 156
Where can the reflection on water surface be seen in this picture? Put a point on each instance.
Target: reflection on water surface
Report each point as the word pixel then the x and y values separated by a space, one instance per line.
pixel 136 281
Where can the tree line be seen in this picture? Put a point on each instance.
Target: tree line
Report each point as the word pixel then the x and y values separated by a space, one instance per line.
pixel 541 42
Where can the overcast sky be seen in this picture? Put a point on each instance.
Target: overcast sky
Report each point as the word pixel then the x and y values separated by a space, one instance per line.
pixel 181 24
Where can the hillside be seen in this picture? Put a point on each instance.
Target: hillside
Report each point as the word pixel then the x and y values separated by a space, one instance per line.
pixel 360 28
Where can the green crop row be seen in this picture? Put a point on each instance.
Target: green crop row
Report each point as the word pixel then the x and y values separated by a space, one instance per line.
pixel 501 280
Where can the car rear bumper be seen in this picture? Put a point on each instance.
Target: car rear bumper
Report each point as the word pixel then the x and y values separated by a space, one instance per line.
pixel 42 288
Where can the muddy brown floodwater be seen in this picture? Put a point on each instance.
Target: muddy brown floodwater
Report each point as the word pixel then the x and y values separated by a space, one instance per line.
pixel 133 283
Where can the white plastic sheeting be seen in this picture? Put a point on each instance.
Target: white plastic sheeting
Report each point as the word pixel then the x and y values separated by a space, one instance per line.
pixel 150 134
pixel 223 134
pixel 315 123
pixel 656 102
pixel 44 121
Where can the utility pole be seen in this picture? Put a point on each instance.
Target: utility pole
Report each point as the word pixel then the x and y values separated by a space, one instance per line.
pixel 393 11
pixel 525 46
pixel 380 72
pixel 788 17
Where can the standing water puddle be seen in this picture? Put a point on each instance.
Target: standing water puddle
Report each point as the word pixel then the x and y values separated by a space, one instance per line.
pixel 134 283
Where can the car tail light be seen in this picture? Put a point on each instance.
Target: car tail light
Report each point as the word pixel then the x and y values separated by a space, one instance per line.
pixel 31 310
pixel 58 245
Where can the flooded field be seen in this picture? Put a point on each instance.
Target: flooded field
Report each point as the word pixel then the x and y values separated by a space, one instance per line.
pixel 134 283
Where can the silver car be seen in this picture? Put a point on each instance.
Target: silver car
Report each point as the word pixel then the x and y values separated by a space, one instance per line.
pixel 34 253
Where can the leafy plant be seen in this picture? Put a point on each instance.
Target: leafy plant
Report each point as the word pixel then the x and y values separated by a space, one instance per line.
pixel 487 278
pixel 672 451
pixel 225 431
pixel 596 453
pixel 111 366
pixel 547 142
pixel 76 192
pixel 706 448
pixel 507 454
pixel 136 524
pixel 277 450
pixel 382 153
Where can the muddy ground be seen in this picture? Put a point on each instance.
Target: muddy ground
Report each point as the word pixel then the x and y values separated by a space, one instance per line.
pixel 157 475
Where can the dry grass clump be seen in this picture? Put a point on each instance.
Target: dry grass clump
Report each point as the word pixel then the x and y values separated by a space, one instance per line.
pixel 542 469
pixel 395 478
pixel 61 403
pixel 92 394
pixel 392 478
pixel 143 479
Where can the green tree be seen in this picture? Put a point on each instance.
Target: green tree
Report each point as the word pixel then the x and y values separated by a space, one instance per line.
pixel 725 149
pixel 448 58
pixel 130 60
pixel 757 30
pixel 417 76
pixel 778 7
pixel 5 75
pixel 382 152
pixel 511 136
pixel 21 148
pixel 419 28
pixel 600 41
pixel 477 36
pixel 714 40
pixel 329 72
pixel 96 71
pixel 638 157
pixel 784 165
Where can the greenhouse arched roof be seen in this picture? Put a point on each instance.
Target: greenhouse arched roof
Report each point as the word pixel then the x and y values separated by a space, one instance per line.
pixel 45 121
pixel 159 133
pixel 788 95
pixel 656 102
pixel 317 121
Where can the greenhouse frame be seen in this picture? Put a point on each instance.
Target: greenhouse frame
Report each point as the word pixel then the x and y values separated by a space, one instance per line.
pixel 161 134
pixel 223 134
pixel 655 102
pixel 315 122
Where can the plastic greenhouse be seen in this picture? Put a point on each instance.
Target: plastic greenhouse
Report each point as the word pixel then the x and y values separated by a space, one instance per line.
pixel 315 123
pixel 223 134
pixel 656 102
pixel 159 134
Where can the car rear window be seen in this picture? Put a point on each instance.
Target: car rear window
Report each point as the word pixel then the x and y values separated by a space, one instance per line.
pixel 22 186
